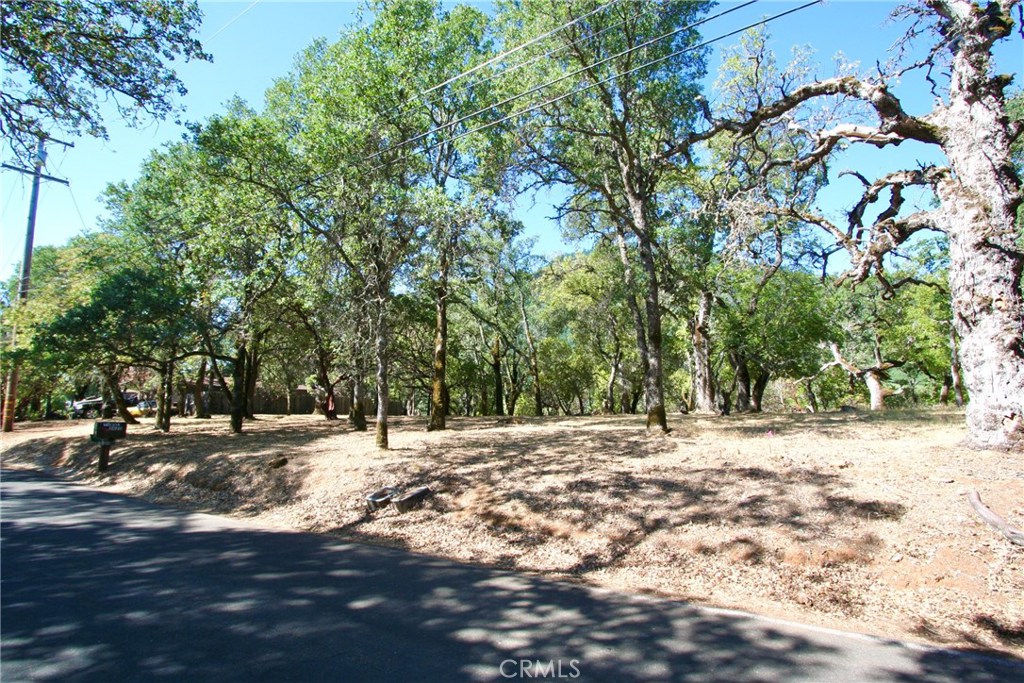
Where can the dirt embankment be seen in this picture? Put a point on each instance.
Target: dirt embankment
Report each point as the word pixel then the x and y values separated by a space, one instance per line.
pixel 852 521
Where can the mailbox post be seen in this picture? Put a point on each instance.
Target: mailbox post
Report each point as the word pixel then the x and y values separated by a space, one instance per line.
pixel 106 432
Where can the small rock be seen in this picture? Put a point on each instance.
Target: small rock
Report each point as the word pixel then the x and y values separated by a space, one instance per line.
pixel 278 462
pixel 896 558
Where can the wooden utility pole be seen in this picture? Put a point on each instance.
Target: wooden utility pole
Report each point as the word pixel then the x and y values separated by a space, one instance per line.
pixel 11 392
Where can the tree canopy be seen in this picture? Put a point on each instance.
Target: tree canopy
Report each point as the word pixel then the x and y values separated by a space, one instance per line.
pixel 62 59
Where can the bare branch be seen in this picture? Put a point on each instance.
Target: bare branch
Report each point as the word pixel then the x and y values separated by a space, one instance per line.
pixel 896 182
pixel 895 124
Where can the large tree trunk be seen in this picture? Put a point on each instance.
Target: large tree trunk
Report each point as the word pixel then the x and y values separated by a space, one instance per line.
pixel 703 376
pixel 499 388
pixel 654 387
pixel 742 374
pixel 874 376
pixel 979 201
pixel 183 395
pixel 757 395
pixel 114 385
pixel 198 393
pixel 876 389
pixel 639 326
pixel 439 387
pixel 639 196
pixel 252 371
pixel 380 347
pixel 613 379
pixel 238 393
pixel 513 385
pixel 329 403
pixel 538 400
pixel 947 383
pixel 165 397
pixel 357 413
pixel 812 399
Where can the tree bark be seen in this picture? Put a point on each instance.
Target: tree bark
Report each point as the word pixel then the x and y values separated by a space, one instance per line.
pixel 613 379
pixel 513 385
pixel 380 347
pixel 757 395
pixel 979 202
pixel 182 395
pixel 703 376
pixel 329 404
pixel 876 389
pixel 499 389
pixel 202 407
pixel 538 400
pixel 114 385
pixel 742 373
pixel 439 387
pixel 812 399
pixel 357 413
pixel 252 371
pixel 654 388
pixel 238 394
pixel 165 397
pixel 639 325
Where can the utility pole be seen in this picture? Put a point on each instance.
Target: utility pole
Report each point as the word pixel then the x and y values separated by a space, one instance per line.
pixel 11 391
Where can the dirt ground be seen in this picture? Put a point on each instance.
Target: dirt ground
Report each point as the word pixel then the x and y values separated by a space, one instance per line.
pixel 853 521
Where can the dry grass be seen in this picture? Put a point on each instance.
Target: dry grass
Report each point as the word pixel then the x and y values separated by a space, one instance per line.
pixel 850 520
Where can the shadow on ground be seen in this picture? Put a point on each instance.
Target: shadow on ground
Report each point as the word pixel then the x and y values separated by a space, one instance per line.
pixel 100 588
pixel 231 472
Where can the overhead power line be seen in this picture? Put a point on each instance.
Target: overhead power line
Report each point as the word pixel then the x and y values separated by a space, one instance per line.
pixel 233 20
pixel 659 60
pixel 517 48
pixel 542 86
pixel 532 60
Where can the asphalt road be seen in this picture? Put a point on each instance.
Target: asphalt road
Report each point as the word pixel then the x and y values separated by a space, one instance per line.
pixel 97 587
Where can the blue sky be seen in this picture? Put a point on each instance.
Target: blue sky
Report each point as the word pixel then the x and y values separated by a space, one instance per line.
pixel 254 43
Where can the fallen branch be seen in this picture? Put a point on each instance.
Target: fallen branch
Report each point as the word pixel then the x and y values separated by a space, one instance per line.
pixel 1012 533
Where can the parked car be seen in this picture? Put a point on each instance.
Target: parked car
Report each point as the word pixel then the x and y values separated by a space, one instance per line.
pixel 143 409
pixel 89 407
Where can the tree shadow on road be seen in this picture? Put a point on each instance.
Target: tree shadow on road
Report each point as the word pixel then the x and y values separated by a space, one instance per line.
pixel 114 589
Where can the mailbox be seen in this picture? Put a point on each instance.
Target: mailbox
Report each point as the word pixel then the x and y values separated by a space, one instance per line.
pixel 106 431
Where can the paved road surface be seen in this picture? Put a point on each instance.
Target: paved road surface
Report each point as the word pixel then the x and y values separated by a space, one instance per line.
pixel 97 587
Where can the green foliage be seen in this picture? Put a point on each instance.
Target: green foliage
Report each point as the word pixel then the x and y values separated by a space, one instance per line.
pixel 63 58
pixel 131 316
pixel 780 324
